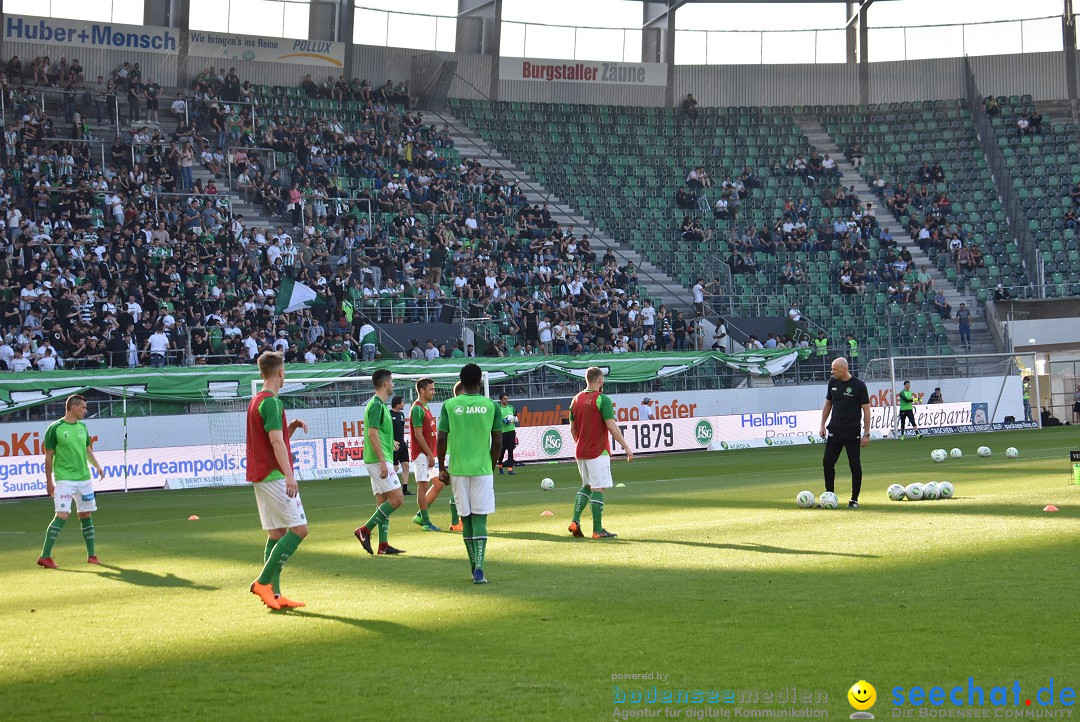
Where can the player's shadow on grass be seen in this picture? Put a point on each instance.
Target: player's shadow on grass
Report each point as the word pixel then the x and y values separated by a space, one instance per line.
pixel 141 578
pixel 540 536
pixel 751 547
pixel 378 626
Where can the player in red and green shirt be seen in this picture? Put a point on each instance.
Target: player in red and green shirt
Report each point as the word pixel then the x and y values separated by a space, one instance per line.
pixel 423 438
pixel 270 471
pixel 437 485
pixel 592 418
pixel 471 429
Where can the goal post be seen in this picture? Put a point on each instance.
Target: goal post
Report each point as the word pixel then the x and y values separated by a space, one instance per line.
pixel 981 389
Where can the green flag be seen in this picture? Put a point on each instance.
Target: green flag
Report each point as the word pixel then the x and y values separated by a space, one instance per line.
pixel 294 296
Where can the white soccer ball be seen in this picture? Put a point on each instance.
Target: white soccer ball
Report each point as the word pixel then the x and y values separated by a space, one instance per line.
pixel 547 484
pixel 956 453
pixel 805 499
pixel 984 451
pixel 914 491
pixel 930 490
pixel 507 420
pixel 938 455
pixel 896 492
pixel 1012 452
pixel 828 500
pixel 946 490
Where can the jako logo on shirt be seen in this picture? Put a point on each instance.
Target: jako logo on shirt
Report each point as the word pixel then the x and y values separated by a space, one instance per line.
pixel 703 432
pixel 551 442
pixel 459 410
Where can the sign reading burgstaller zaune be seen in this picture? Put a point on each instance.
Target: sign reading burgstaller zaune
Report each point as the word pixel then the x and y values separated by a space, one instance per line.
pixel 84 34
pixel 592 72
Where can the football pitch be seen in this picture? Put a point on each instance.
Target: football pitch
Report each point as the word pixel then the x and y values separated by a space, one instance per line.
pixel 717 582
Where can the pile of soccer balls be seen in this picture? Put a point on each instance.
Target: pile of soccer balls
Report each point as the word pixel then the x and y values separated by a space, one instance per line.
pixel 918 492
pixel 940 455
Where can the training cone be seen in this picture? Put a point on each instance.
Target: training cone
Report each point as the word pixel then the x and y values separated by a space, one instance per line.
pixel 193 518
pixel 620 485
pixel 1050 507
pixel 546 513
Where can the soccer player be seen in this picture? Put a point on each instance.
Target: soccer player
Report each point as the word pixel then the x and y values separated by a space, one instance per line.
pixel 509 418
pixel 422 431
pixel 436 488
pixel 270 472
pixel 378 448
pixel 907 401
pixel 470 426
pixel 67 449
pixel 592 418
pixel 401 448
pixel 846 403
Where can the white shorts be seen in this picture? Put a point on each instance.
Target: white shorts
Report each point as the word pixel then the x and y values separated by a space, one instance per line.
pixel 79 492
pixel 276 509
pixel 596 473
pixel 380 485
pixel 421 470
pixel 474 494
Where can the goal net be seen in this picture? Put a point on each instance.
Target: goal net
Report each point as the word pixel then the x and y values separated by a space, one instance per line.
pixel 333 409
pixel 951 391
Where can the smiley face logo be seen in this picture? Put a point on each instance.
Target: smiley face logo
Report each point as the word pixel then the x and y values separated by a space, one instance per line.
pixel 862 695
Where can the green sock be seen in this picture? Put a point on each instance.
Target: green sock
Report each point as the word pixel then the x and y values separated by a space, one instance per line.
pixel 384 531
pixel 382 511
pixel 454 518
pixel 275 582
pixel 597 499
pixel 280 554
pixel 580 502
pixel 424 516
pixel 55 527
pixel 466 534
pixel 88 534
pixel 479 527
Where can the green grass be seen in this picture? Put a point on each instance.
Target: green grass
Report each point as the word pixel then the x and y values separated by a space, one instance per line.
pixel 716 580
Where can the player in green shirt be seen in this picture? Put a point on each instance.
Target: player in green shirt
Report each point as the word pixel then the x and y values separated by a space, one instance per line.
pixel 907 413
pixel 379 448
pixel 509 419
pixel 471 429
pixel 67 449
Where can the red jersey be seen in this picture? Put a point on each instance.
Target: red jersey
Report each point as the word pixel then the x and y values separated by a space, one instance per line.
pixel 588 413
pixel 265 414
pixel 421 425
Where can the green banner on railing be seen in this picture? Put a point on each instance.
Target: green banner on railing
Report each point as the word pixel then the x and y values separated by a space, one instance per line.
pixel 209 383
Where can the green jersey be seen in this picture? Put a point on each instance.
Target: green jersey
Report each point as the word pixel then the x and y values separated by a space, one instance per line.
pixel 68 442
pixel 907 398
pixel 507 412
pixel 468 421
pixel 377 416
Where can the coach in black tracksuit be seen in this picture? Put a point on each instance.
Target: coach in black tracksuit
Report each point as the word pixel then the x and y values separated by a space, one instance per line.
pixel 848 403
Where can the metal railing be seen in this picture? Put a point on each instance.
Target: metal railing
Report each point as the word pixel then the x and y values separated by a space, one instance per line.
pixel 1010 199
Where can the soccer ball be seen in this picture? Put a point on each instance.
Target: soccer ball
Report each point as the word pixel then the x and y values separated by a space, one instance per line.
pixel 507 420
pixel 984 451
pixel 805 499
pixel 829 501
pixel 945 490
pixel 896 492
pixel 956 453
pixel 914 491
pixel 930 490
pixel 547 484
pixel 938 455
pixel 1011 452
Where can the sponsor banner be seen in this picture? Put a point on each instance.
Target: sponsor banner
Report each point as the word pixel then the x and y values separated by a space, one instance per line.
pixel 551 412
pixel 76 34
pixel 264 49
pixel 583 71
pixel 976 428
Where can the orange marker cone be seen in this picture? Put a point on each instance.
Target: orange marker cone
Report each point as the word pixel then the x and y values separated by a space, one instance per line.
pixel 546 513
pixel 193 518
pixel 1050 507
